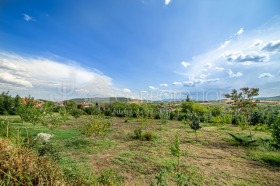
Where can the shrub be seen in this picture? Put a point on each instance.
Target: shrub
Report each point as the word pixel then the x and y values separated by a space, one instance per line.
pixel 21 166
pixel 148 136
pixel 276 132
pixel 138 133
pixel 49 150
pixel 96 125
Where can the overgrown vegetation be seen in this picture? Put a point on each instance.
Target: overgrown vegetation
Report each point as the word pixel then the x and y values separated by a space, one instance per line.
pixel 141 141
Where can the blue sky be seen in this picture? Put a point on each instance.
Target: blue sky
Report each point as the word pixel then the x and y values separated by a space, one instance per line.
pixel 154 49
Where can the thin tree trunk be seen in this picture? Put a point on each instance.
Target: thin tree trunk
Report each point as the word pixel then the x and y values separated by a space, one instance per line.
pixel 195 136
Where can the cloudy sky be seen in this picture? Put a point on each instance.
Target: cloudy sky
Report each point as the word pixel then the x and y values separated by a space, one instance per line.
pixel 151 49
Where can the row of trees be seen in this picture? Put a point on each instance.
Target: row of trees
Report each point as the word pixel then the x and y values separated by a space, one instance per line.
pixel 244 109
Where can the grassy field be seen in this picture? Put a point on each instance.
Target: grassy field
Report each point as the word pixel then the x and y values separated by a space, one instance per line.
pixel 216 159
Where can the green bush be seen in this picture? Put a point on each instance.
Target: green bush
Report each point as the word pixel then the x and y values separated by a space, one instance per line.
pixel 138 133
pixel 49 150
pixel 148 136
pixel 276 132
pixel 96 125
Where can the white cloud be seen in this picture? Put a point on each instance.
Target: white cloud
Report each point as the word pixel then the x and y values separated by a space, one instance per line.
pixel 52 77
pixel 14 80
pixel 28 17
pixel 166 2
pixel 188 83
pixel 240 31
pixel 212 80
pixel 265 75
pixel 164 85
pixel 218 68
pixel 242 61
pixel 226 43
pixel 126 90
pixel 232 75
pixel 208 65
pixel 258 42
pixel 152 88
pixel 176 83
pixel 203 76
pixel 239 57
pixel 185 64
pixel 272 46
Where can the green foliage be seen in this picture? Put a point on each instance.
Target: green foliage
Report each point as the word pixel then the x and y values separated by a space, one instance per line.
pixel 96 125
pixel 239 120
pixel 70 104
pixel 148 136
pixel 243 139
pixel 276 132
pixel 6 130
pixel 138 133
pixel 109 177
pixel 197 108
pixel 261 127
pixel 223 119
pixel 29 113
pixel 160 178
pixel 271 158
pixel 164 117
pixel 49 150
pixel 195 120
pixel 8 104
pixel 175 146
pixel 257 117
pixel 76 113
pixel 216 110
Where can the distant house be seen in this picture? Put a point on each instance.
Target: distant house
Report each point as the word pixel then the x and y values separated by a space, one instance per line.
pixel 59 104
pixel 84 105
pixel 36 103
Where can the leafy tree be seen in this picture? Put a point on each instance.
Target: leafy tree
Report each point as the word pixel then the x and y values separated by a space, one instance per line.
pixel 243 103
pixel 276 132
pixel 189 107
pixel 7 105
pixel 29 113
pixel 195 124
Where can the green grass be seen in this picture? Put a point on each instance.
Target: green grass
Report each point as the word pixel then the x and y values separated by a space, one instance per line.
pixel 137 161
pixel 271 158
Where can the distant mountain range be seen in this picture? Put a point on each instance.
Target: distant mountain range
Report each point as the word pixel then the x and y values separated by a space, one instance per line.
pixel 123 99
pixel 104 100
pixel 275 98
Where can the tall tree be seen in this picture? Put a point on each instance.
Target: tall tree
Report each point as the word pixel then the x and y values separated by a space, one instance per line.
pixel 243 102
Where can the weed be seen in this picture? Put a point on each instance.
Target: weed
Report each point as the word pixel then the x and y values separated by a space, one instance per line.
pixel 109 177
pixel 138 133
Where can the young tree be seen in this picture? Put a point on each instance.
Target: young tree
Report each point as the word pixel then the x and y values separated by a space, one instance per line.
pixel 195 124
pixel 176 150
pixel 243 103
